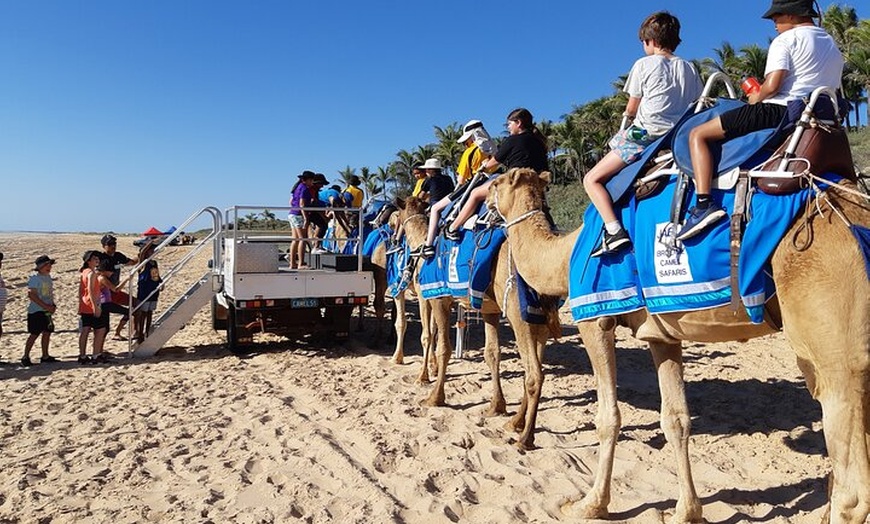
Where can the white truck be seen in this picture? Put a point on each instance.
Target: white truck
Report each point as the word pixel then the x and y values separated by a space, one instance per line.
pixel 262 294
pixel 252 288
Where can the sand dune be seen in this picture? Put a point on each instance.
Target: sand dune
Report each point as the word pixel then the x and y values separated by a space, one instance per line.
pixel 306 431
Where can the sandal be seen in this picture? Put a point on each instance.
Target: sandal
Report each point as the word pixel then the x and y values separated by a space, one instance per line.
pixel 85 359
pixel 119 338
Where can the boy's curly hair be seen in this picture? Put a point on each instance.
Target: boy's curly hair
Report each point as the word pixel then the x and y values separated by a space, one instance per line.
pixel 662 28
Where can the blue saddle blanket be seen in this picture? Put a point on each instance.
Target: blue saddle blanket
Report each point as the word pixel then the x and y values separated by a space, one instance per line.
pixel 375 238
pixel 464 269
pixel 696 277
pixel 397 261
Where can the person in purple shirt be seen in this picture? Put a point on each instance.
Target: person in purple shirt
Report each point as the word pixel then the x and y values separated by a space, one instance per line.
pixel 300 198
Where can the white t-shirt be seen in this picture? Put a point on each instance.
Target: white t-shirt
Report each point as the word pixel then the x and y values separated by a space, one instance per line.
pixel 810 58
pixel 666 88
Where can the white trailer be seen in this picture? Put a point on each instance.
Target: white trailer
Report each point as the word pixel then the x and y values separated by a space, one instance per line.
pixel 252 288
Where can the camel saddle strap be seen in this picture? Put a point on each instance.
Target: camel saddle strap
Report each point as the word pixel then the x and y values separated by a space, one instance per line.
pixel 741 195
pixel 826 148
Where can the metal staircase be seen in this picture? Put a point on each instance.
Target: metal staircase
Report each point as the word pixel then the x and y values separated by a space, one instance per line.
pixel 179 314
pixel 195 298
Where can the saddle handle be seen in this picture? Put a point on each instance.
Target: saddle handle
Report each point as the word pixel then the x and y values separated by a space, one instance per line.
pixel 718 76
pixel 804 121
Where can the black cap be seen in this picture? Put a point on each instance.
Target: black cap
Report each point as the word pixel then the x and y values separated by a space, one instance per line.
pixel 43 260
pixel 791 7
pixel 307 174
pixel 108 240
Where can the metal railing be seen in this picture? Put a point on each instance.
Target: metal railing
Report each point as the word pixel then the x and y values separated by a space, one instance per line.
pixel 167 276
pixel 235 218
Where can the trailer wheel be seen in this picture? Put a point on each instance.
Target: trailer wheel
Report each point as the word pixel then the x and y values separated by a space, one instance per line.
pixel 232 330
pixel 218 315
pixel 339 319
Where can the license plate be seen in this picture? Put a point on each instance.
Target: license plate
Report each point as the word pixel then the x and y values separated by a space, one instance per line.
pixel 304 302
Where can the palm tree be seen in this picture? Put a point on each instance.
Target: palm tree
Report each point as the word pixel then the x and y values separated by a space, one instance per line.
pixel 424 152
pixel 448 150
pixel 858 64
pixel 752 62
pixel 346 174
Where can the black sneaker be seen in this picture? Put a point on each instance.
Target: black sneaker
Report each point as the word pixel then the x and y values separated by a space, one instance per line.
pixel 613 243
pixel 26 362
pixel 699 220
pixel 48 359
pixel 84 359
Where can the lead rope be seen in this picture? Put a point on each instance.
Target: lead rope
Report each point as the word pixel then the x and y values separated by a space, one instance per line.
pixel 511 280
pixel 512 275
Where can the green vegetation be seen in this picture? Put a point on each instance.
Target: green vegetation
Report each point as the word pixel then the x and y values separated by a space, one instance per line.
pixel 579 140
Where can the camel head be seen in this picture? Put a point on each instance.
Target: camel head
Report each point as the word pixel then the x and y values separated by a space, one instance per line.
pixel 518 191
pixel 410 207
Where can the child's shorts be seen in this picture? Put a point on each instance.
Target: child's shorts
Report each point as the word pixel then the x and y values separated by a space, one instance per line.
pixel 149 306
pixel 628 148
pixel 38 323
pixel 296 221
pixel 94 322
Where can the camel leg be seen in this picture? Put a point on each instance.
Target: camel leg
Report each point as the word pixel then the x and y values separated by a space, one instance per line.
pixel 427 339
pixel 831 338
pixel 401 326
pixel 444 344
pixel 391 337
pixel 533 338
pixel 380 306
pixel 598 338
pixel 676 424
pixel 492 356
pixel 842 392
pixel 846 439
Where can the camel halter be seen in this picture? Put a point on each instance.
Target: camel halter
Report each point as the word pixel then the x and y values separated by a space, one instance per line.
pixel 510 223
pixel 402 225
pixel 512 268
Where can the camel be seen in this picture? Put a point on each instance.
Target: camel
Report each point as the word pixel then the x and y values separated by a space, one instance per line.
pixel 822 297
pixel 531 338
pixel 378 267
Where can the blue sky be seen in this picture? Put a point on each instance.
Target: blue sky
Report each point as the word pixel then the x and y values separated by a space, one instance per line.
pixel 120 115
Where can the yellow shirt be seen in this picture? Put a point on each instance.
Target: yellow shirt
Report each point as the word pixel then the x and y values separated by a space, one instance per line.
pixel 470 162
pixel 418 186
pixel 357 196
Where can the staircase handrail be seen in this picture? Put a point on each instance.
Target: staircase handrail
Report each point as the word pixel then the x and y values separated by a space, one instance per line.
pixel 213 237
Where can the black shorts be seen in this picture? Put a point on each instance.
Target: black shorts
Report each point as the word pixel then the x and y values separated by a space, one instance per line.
pixel 746 119
pixel 117 309
pixel 39 323
pixel 93 322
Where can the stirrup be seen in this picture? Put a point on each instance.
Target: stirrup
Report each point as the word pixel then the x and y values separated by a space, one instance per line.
pixel 451 234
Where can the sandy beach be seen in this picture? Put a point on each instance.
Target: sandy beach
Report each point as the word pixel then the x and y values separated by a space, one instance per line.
pixel 303 431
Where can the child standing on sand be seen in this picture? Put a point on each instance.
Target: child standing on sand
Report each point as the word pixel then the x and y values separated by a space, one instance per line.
pixel 149 281
pixel 40 291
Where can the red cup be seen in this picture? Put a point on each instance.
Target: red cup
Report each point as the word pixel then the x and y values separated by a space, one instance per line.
pixel 750 86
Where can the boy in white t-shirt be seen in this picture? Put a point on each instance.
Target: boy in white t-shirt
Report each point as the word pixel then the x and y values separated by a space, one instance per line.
pixel 661 86
pixel 802 58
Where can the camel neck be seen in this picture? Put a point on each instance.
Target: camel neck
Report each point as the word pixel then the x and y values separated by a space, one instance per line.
pixel 541 256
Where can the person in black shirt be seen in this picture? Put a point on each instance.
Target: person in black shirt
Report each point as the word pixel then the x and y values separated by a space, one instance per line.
pixel 120 299
pixel 437 185
pixel 525 147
